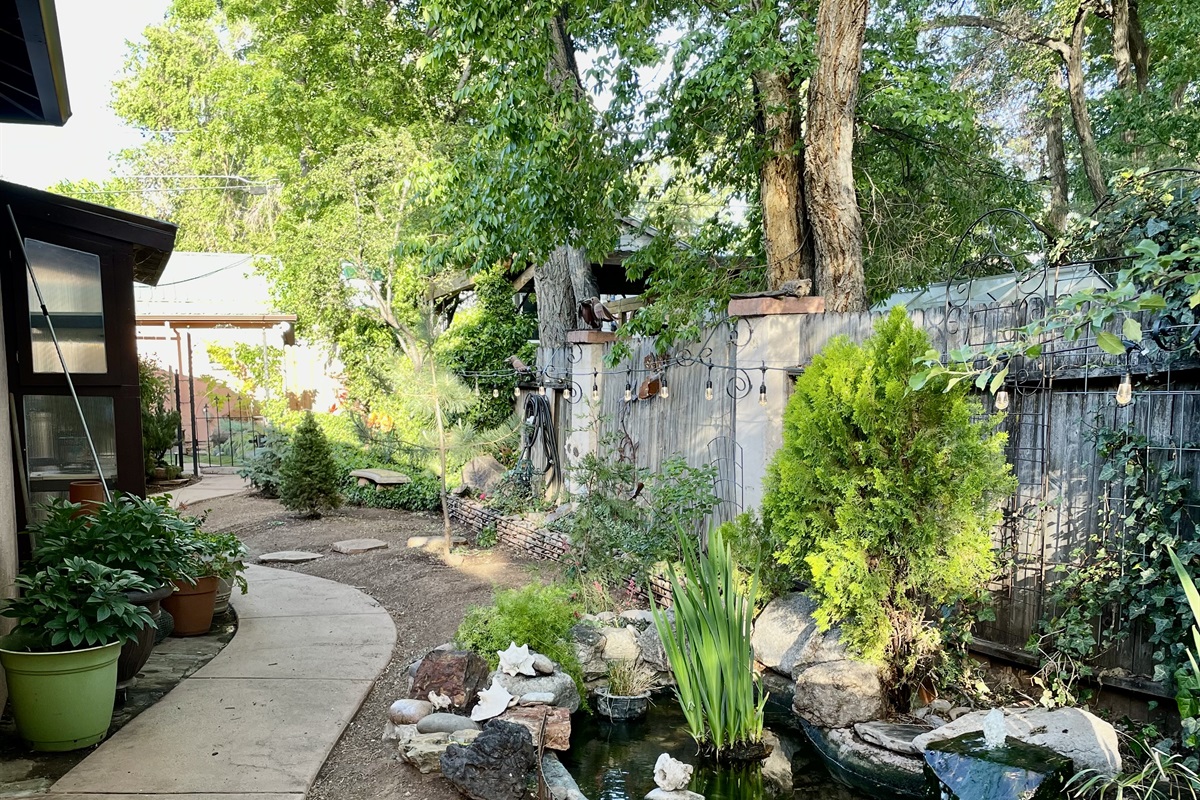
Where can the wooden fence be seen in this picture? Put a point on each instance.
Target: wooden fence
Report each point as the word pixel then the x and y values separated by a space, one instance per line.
pixel 1058 402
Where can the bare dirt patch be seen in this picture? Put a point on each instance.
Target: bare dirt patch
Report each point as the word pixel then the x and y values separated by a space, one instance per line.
pixel 426 598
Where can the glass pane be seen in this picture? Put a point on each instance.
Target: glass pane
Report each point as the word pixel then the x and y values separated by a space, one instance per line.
pixel 56 447
pixel 70 284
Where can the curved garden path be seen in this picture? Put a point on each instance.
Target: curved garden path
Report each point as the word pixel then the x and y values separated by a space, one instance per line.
pixel 258 721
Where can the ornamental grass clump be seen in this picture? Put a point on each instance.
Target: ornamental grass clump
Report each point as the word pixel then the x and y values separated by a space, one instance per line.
pixel 883 498
pixel 709 650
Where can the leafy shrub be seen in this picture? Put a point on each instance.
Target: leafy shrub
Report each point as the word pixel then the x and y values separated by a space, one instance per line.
pixel 160 426
pixel 621 529
pixel 537 615
pixel 487 537
pixel 424 493
pixel 709 649
pixel 76 604
pixel 308 474
pixel 263 468
pixel 883 498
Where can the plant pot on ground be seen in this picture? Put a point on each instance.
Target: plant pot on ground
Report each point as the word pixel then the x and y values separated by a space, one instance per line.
pixel 147 537
pixel 61 659
pixel 215 556
pixel 627 695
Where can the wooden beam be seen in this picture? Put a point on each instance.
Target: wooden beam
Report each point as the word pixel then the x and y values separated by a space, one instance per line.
pixel 454 283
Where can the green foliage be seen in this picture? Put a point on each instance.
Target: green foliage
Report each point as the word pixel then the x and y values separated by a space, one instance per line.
pixel 515 495
pixel 130 534
pixel 1120 580
pixel 1163 776
pixel 160 427
pixel 709 649
pixel 308 476
pixel 424 493
pixel 481 339
pixel 75 604
pixel 263 468
pixel 487 537
pixel 220 555
pixel 627 679
pixel 882 498
pixel 614 535
pixel 536 615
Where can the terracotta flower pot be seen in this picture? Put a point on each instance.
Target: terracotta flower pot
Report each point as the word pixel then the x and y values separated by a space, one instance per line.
pixel 89 494
pixel 192 606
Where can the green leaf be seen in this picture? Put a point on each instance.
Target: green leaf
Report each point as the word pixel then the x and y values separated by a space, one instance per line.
pixel 1110 343
pixel 1131 329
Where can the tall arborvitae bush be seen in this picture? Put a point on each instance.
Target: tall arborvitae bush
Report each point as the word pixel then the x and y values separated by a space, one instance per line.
pixel 308 476
pixel 882 499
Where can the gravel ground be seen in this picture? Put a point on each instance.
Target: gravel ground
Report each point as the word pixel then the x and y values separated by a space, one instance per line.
pixel 426 598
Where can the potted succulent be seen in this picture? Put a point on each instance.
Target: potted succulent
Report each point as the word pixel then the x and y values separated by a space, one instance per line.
pixel 147 537
pixel 226 559
pixel 61 659
pixel 627 695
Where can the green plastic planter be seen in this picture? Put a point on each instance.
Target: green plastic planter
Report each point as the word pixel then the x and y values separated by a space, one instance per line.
pixel 61 701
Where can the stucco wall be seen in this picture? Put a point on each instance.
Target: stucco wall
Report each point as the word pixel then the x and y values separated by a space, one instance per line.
pixel 8 505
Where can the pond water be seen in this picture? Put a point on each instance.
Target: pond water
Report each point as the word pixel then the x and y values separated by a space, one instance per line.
pixel 615 761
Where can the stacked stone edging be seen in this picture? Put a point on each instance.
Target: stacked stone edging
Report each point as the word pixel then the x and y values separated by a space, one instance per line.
pixel 520 534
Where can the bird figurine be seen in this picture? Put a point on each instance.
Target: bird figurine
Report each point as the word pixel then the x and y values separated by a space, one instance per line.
pixel 520 366
pixel 600 310
pixel 588 314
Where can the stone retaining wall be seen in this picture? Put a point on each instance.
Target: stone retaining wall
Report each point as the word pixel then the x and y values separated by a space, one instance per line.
pixel 523 535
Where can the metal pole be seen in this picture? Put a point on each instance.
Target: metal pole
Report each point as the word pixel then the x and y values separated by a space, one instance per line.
pixel 87 434
pixel 192 409
pixel 179 426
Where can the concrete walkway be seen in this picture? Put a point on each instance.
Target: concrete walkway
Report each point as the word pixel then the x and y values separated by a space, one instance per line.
pixel 208 487
pixel 259 720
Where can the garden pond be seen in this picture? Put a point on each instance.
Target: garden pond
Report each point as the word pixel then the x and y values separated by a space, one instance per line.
pixel 615 761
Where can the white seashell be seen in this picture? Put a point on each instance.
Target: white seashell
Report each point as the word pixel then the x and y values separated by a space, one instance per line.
pixel 516 660
pixel 493 701
pixel 671 775
pixel 440 701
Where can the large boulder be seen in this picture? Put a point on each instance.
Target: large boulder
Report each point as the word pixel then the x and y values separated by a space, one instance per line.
pixel 457 674
pixel 1090 742
pixel 967 769
pixel 482 473
pixel 620 644
pixel 589 648
pixel 866 767
pixel 654 655
pixel 559 684
pixel 493 767
pixel 786 638
pixel 837 694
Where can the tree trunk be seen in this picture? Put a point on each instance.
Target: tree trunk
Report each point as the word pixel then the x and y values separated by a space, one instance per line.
pixel 829 165
pixel 557 308
pixel 1138 48
pixel 1056 160
pixel 1079 110
pixel 583 281
pixel 440 421
pixel 1122 58
pixel 781 182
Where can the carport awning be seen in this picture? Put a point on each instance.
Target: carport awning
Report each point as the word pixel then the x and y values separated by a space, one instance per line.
pixel 33 82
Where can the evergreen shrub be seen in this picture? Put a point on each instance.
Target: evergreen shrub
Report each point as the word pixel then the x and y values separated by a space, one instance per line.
pixel 308 476
pixel 882 498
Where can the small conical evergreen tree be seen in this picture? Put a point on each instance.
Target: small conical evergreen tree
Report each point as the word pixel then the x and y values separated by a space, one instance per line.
pixel 308 476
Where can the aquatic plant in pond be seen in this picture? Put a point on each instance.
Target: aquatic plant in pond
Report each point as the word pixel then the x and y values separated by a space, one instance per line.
pixel 709 649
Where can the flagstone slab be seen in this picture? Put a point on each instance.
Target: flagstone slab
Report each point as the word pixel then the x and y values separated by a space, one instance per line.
pixel 352 547
pixel 288 557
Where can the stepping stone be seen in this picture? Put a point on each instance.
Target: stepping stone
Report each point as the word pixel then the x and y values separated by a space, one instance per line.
pixel 891 736
pixel 288 557
pixel 352 547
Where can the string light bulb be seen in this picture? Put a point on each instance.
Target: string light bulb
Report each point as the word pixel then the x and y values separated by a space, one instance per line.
pixel 567 393
pixel 517 392
pixel 762 387
pixel 708 392
pixel 1125 391
pixel 477 387
pixel 665 391
pixel 542 390
pixel 1002 400
pixel 595 386
pixel 628 386
pixel 495 392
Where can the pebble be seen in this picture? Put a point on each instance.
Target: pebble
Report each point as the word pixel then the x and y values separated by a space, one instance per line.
pixel 409 712
pixel 446 723
pixel 542 664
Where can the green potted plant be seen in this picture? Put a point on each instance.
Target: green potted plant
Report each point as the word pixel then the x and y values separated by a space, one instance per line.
pixel 61 659
pixel 226 559
pixel 147 537
pixel 627 694
pixel 213 557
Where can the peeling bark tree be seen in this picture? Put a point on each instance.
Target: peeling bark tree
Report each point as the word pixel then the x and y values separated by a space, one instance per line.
pixel 781 182
pixel 828 161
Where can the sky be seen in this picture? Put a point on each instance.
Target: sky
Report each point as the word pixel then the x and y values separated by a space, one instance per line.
pixel 93 37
